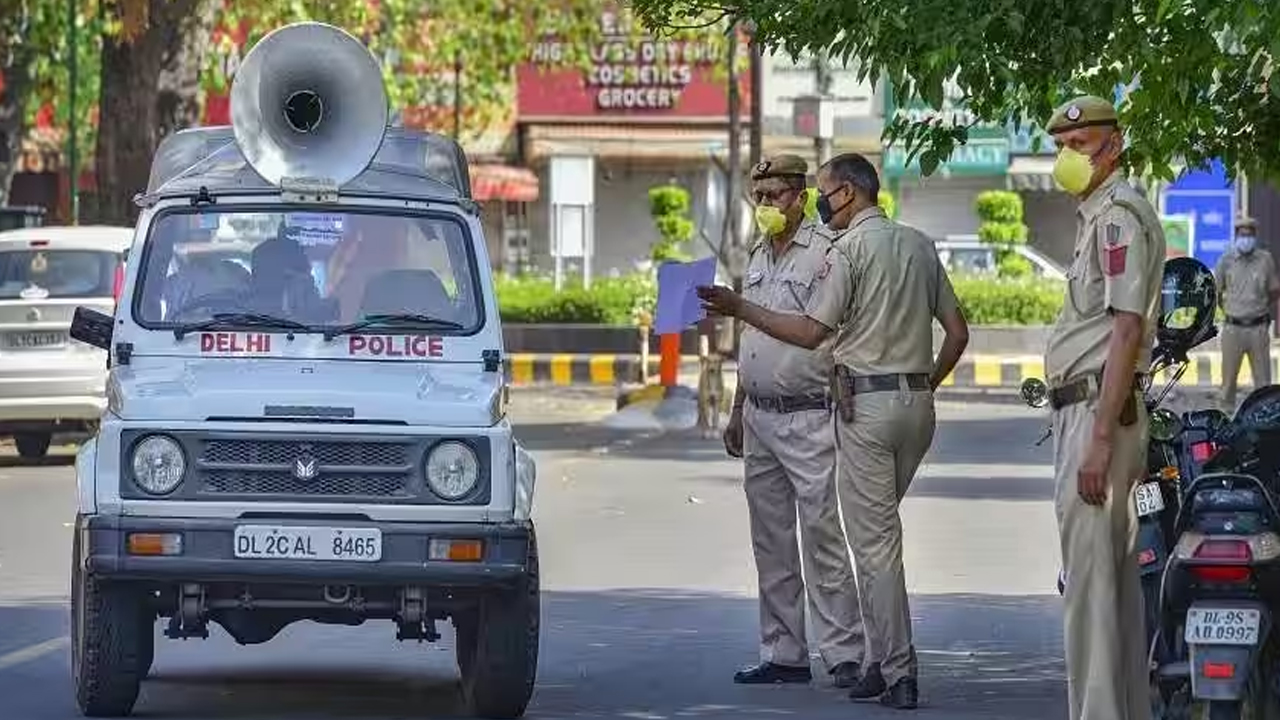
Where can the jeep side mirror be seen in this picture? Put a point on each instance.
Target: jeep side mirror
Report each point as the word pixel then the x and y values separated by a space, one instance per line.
pixel 92 327
pixel 1034 392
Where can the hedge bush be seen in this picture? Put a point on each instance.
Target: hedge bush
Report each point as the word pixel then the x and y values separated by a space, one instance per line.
pixel 614 301
pixel 1008 301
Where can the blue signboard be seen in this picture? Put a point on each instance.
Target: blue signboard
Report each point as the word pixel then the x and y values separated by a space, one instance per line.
pixel 1210 199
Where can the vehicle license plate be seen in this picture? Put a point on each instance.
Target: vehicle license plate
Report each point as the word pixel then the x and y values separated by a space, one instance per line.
pixel 308 543
pixel 29 340
pixel 1149 499
pixel 1222 626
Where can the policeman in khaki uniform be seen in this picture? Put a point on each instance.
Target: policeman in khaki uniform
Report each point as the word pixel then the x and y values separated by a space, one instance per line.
pixel 781 415
pixel 1247 290
pixel 881 290
pixel 1101 340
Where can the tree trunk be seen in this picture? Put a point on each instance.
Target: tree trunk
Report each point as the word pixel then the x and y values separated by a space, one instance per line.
pixel 12 109
pixel 150 88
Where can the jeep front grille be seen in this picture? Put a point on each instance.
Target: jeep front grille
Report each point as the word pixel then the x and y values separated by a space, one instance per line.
pixel 342 469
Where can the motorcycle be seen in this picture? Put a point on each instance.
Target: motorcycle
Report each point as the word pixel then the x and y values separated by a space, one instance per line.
pixel 1173 456
pixel 1223 577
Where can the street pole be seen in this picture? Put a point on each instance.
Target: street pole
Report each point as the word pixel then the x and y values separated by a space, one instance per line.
pixel 457 95
pixel 72 79
pixel 757 107
pixel 822 88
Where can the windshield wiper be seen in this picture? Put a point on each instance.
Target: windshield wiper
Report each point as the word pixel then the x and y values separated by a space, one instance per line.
pixel 241 318
pixel 411 319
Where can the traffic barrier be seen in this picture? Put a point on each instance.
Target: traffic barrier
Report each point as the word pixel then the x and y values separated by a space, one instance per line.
pixel 976 371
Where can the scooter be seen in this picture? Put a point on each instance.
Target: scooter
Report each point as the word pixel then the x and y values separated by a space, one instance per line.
pixel 1223 577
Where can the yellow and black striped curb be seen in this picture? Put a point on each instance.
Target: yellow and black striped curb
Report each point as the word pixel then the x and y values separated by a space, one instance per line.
pixel 538 369
pixel 976 371
pixel 1204 370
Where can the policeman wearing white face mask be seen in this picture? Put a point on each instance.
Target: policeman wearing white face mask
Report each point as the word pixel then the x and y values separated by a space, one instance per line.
pixel 1247 291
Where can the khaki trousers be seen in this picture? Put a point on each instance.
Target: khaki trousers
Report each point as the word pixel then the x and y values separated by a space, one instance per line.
pixel 880 452
pixel 1104 638
pixel 790 464
pixel 1238 342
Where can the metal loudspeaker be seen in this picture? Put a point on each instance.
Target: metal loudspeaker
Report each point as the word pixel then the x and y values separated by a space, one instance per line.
pixel 309 102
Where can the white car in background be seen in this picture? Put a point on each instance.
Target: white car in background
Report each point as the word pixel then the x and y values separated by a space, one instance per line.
pixel 50 385
pixel 967 255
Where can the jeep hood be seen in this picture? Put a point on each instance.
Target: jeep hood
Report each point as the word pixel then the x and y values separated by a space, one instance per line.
pixel 195 389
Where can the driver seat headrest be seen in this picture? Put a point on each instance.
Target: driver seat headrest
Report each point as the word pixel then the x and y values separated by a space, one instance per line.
pixel 407 291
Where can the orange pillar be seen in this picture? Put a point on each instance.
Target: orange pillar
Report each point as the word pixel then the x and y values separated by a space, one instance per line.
pixel 668 358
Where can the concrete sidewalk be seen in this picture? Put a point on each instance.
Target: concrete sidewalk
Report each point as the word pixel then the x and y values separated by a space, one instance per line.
pixel 982 372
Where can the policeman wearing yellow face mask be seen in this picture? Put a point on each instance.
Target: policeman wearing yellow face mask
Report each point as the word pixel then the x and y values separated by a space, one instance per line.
pixel 781 422
pixel 1100 342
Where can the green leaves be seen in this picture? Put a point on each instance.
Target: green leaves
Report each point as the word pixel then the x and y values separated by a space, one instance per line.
pixel 1207 90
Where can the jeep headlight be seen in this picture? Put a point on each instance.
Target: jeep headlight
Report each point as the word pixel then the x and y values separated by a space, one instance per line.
pixel 452 470
pixel 158 464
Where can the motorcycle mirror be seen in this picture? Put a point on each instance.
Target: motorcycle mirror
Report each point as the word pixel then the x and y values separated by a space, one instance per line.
pixel 1165 425
pixel 1034 392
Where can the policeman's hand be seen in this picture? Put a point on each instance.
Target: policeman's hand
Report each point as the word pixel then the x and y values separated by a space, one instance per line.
pixel 718 300
pixel 733 435
pixel 1092 478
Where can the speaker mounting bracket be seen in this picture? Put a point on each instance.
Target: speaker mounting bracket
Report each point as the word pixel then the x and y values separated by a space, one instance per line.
pixel 308 190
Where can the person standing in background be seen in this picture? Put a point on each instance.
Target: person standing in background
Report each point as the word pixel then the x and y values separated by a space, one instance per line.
pixel 1247 292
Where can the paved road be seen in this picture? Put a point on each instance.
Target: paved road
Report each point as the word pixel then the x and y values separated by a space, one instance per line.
pixel 649 592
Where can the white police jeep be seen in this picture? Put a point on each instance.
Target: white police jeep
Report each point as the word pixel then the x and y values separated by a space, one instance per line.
pixel 306 408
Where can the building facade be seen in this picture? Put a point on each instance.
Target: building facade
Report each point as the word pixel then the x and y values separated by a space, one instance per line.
pixel 647 112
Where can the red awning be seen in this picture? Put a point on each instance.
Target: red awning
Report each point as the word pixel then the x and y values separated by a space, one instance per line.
pixel 503 182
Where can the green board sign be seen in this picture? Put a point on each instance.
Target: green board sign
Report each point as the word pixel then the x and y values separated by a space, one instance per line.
pixel 1178 230
pixel 986 152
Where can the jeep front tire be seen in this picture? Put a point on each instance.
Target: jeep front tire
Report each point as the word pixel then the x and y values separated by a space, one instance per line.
pixel 497 647
pixel 111 643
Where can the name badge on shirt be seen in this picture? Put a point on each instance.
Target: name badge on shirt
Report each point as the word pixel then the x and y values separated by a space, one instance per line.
pixel 755 276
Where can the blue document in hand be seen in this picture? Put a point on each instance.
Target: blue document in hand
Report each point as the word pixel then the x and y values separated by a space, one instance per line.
pixel 678 303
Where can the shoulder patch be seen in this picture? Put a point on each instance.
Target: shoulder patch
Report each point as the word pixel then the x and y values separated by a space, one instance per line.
pixel 1112 234
pixel 1116 255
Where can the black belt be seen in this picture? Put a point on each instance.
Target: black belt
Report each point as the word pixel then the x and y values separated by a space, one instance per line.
pixel 886 383
pixel 791 404
pixel 1080 389
pixel 1249 322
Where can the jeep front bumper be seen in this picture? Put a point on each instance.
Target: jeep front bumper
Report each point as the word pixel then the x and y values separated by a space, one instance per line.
pixel 207 554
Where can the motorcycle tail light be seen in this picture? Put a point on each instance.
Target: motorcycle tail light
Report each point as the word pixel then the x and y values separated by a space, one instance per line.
pixel 1220 549
pixel 1202 451
pixel 1228 549
pixel 1221 574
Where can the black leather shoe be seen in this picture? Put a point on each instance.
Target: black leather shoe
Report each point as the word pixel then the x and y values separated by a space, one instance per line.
pixel 904 695
pixel 868 686
pixel 845 674
pixel 767 673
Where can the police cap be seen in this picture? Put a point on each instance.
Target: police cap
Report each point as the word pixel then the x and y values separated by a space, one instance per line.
pixel 780 166
pixel 1244 221
pixel 1081 112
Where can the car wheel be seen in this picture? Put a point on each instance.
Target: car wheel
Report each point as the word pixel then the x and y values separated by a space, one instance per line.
pixel 498 647
pixel 32 446
pixel 110 652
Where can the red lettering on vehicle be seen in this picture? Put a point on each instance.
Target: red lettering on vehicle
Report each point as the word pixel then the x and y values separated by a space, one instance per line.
pixel 395 346
pixel 228 342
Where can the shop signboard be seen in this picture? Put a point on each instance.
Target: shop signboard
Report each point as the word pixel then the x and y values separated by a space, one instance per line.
pixel 627 78
pixel 1209 199
pixel 985 153
pixel 1179 232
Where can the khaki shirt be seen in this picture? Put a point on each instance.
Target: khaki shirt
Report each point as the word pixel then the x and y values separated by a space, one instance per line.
pixel 1118 266
pixel 768 367
pixel 1245 283
pixel 885 287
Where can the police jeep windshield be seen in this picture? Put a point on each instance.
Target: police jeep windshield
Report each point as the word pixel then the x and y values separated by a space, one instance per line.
pixel 324 272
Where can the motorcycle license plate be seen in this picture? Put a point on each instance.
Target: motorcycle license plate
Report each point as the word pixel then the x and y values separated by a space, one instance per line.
pixel 1222 626
pixel 1149 499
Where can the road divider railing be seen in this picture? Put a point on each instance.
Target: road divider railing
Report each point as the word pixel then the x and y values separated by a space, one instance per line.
pixel 974 371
